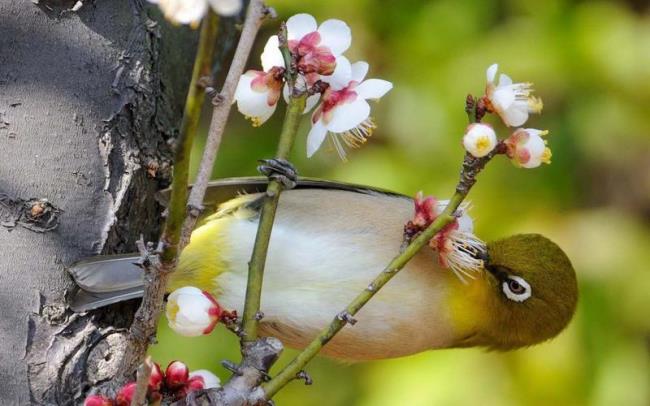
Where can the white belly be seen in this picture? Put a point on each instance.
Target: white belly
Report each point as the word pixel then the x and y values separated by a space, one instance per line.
pixel 320 258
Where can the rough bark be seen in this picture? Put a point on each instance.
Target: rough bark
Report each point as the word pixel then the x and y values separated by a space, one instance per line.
pixel 89 101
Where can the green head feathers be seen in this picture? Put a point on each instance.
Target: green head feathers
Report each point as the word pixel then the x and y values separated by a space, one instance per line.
pixel 535 292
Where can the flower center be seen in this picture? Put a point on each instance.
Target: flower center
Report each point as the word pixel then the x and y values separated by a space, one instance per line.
pixel 312 58
pixel 483 143
pixel 334 98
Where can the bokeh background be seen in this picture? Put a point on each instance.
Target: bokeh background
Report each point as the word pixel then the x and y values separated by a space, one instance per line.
pixel 590 62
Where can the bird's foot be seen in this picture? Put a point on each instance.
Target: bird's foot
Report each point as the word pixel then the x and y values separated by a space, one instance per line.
pixel 279 169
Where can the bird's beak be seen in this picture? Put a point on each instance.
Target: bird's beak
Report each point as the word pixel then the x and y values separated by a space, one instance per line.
pixel 483 256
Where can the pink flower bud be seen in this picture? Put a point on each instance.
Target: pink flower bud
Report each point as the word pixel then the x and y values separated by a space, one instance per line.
pixel 97 400
pixel 202 379
pixel 192 312
pixel 125 394
pixel 425 210
pixel 156 379
pixel 176 375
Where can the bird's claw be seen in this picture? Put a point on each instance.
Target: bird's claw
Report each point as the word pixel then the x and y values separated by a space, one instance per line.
pixel 279 169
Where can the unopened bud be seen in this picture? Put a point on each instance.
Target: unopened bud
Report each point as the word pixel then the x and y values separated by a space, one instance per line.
pixel 176 375
pixel 192 312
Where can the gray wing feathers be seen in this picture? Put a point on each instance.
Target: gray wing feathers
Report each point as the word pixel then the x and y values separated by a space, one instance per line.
pixel 104 280
pixel 83 301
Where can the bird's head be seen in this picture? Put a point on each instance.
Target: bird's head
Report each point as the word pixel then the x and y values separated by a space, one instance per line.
pixel 531 293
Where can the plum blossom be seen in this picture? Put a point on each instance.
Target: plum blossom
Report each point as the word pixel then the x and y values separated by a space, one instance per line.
pixel 511 101
pixel 192 11
pixel 344 112
pixel 192 312
pixel 457 246
pixel 479 140
pixel 315 49
pixel 176 375
pixel 527 149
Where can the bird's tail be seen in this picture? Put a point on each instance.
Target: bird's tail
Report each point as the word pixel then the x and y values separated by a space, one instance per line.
pixel 104 280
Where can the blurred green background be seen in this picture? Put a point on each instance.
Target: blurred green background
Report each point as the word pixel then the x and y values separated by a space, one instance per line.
pixel 590 62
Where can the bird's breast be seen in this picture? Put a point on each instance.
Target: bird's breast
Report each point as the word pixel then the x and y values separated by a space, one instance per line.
pixel 321 257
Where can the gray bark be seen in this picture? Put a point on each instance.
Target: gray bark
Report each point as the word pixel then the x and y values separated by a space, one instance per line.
pixel 89 101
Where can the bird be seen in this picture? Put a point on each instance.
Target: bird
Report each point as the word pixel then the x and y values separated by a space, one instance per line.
pixel 329 241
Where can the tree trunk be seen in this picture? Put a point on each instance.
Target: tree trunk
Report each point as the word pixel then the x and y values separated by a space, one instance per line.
pixel 89 102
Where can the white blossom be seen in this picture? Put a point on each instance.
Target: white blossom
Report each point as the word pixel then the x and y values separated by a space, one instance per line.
pixel 479 139
pixel 192 11
pixel 316 49
pixel 511 101
pixel 344 112
pixel 192 312
pixel 527 148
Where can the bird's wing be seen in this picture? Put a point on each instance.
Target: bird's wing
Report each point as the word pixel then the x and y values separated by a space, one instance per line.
pixel 103 280
pixel 222 190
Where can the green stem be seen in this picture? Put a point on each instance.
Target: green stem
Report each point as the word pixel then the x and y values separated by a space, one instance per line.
pixel 258 258
pixel 191 115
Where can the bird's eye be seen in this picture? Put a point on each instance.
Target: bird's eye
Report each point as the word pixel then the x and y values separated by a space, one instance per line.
pixel 516 288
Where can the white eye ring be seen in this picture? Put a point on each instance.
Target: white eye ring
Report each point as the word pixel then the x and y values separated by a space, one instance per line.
pixel 522 294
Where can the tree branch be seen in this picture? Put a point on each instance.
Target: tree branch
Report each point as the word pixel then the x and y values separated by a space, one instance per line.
pixel 157 268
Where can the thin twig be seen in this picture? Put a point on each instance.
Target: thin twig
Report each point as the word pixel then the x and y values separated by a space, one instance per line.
pixel 159 264
pixel 142 383
pixel 191 116
pixel 471 168
pixel 255 15
pixel 292 117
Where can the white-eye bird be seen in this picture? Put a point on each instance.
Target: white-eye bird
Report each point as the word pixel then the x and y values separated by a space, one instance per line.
pixel 329 241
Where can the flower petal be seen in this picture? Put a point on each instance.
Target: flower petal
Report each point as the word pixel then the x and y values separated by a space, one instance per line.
pixel 311 102
pixel 272 56
pixel 503 97
pixel 251 103
pixel 347 116
pixel 491 72
pixel 315 137
pixel 342 74
pixel 359 71
pixel 226 7
pixel 515 115
pixel 504 80
pixel 336 35
pixel 373 88
pixel 299 25
pixel 183 11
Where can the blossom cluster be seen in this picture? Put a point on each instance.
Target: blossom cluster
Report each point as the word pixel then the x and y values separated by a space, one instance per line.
pixel 513 102
pixel 337 88
pixel 175 383
pixel 458 248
